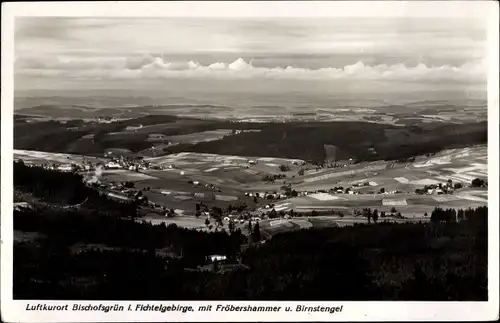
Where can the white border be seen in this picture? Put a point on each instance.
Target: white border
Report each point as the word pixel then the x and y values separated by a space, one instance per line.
pixel 352 311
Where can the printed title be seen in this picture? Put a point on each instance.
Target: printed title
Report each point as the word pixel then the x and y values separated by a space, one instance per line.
pixel 182 308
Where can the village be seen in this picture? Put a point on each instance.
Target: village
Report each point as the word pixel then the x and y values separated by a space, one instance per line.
pixel 201 190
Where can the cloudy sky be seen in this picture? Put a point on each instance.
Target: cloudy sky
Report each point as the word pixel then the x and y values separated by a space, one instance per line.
pixel 251 54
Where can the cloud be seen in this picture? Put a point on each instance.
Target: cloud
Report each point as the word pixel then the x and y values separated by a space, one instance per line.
pixel 149 67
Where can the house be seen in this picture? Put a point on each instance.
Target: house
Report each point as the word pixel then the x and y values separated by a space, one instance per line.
pixel 65 168
pixel 217 257
pixel 252 162
pixel 19 206
pixel 113 165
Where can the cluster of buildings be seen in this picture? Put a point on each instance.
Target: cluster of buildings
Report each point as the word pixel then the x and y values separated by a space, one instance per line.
pixel 267 195
pixel 64 167
pixel 122 162
pixel 438 189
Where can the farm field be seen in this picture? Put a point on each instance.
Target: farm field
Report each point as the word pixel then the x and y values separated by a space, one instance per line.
pixel 222 180
pixel 197 137
pixel 409 204
pixel 33 156
pixel 459 165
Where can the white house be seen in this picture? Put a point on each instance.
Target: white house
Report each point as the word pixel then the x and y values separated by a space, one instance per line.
pixel 217 257
pixel 113 165
pixel 18 206
pixel 65 168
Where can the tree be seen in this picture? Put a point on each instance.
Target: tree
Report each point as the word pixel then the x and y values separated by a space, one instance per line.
pixel 393 210
pixel 207 222
pixel 382 190
pixel 250 226
pixel 425 214
pixel 294 193
pixel 171 213
pixel 457 186
pixel 375 216
pixel 256 233
pixel 301 172
pixel 232 226
pixel 197 214
pixel 477 182
pixel 284 168
pixel 129 184
pixel 215 266
pixel 273 214
pixel 197 207
pixel 450 182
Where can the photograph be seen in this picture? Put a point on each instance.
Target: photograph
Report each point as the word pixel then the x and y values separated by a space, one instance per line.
pixel 260 157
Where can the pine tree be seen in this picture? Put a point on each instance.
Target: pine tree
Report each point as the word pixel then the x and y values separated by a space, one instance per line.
pixel 256 233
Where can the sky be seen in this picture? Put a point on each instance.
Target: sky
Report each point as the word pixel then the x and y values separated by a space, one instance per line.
pixel 288 55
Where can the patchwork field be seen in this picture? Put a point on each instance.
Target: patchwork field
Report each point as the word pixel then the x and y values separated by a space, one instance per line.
pixel 459 165
pixel 223 179
pixel 197 137
pixel 33 156
pixel 124 175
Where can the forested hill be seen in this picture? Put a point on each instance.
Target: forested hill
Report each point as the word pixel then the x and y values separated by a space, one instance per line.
pixel 362 141
pixel 301 140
